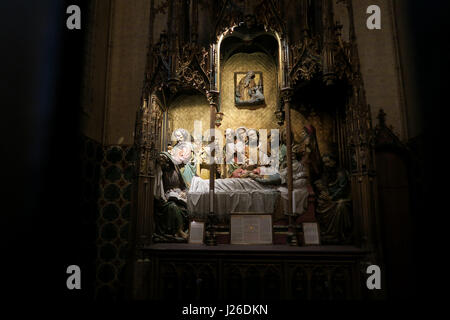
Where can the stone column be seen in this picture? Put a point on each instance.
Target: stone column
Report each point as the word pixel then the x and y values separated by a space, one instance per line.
pixel 286 95
pixel 210 227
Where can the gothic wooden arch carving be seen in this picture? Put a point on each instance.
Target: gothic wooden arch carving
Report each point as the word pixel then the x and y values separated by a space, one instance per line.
pixel 265 14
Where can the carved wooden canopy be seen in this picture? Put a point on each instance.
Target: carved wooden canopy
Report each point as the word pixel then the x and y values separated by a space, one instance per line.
pixel 176 65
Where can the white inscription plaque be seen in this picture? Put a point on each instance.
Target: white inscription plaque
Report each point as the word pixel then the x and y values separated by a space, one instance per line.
pixel 251 229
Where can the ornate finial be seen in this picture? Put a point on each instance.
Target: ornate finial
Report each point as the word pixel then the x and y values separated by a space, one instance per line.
pixel 286 94
pixel 279 114
pixel 219 118
pixel 212 96
pixel 381 118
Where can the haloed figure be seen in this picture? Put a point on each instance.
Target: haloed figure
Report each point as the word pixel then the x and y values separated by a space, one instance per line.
pixel 310 153
pixel 182 155
pixel 182 150
pixel 251 153
pixel 248 91
pixel 236 168
pixel 230 146
pixel 334 207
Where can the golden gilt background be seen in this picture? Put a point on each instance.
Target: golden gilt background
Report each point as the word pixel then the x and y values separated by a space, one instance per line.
pixel 186 109
pixel 262 117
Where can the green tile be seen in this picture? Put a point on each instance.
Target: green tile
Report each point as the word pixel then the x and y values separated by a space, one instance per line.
pixel 109 232
pixel 113 173
pixel 112 192
pixel 108 252
pixel 110 212
pixel 129 173
pixel 124 229
pixel 127 192
pixel 126 212
pixel 114 154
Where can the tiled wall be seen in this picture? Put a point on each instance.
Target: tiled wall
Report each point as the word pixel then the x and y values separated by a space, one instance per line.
pixel 108 172
pixel 113 223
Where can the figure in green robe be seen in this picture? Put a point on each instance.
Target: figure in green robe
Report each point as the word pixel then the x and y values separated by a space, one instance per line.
pixel 171 215
pixel 334 205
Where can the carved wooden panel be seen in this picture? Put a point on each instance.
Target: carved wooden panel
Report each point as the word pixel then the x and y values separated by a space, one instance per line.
pixel 216 276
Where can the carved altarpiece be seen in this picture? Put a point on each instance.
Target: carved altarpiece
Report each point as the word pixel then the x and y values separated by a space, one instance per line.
pixel 319 62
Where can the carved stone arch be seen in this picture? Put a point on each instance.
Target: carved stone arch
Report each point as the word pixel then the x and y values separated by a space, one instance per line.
pixel 247 23
pixel 238 41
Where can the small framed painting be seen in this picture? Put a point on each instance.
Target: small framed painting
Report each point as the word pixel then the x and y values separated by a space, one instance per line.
pixel 248 88
pixel 311 233
pixel 196 232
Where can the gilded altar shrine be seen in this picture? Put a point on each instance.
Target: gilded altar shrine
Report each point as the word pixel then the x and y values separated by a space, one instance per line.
pixel 255 121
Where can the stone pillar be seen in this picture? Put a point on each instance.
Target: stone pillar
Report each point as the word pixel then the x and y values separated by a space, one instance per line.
pixel 210 227
pixel 286 94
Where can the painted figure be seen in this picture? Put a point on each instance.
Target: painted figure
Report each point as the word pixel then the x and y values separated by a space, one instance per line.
pixel 171 215
pixel 247 91
pixel 310 154
pixel 182 155
pixel 334 206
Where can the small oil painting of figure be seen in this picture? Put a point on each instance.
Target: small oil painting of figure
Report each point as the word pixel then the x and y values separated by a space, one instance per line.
pixel 248 88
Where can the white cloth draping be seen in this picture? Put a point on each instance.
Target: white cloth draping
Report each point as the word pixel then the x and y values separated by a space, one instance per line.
pixel 231 195
pixel 241 195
